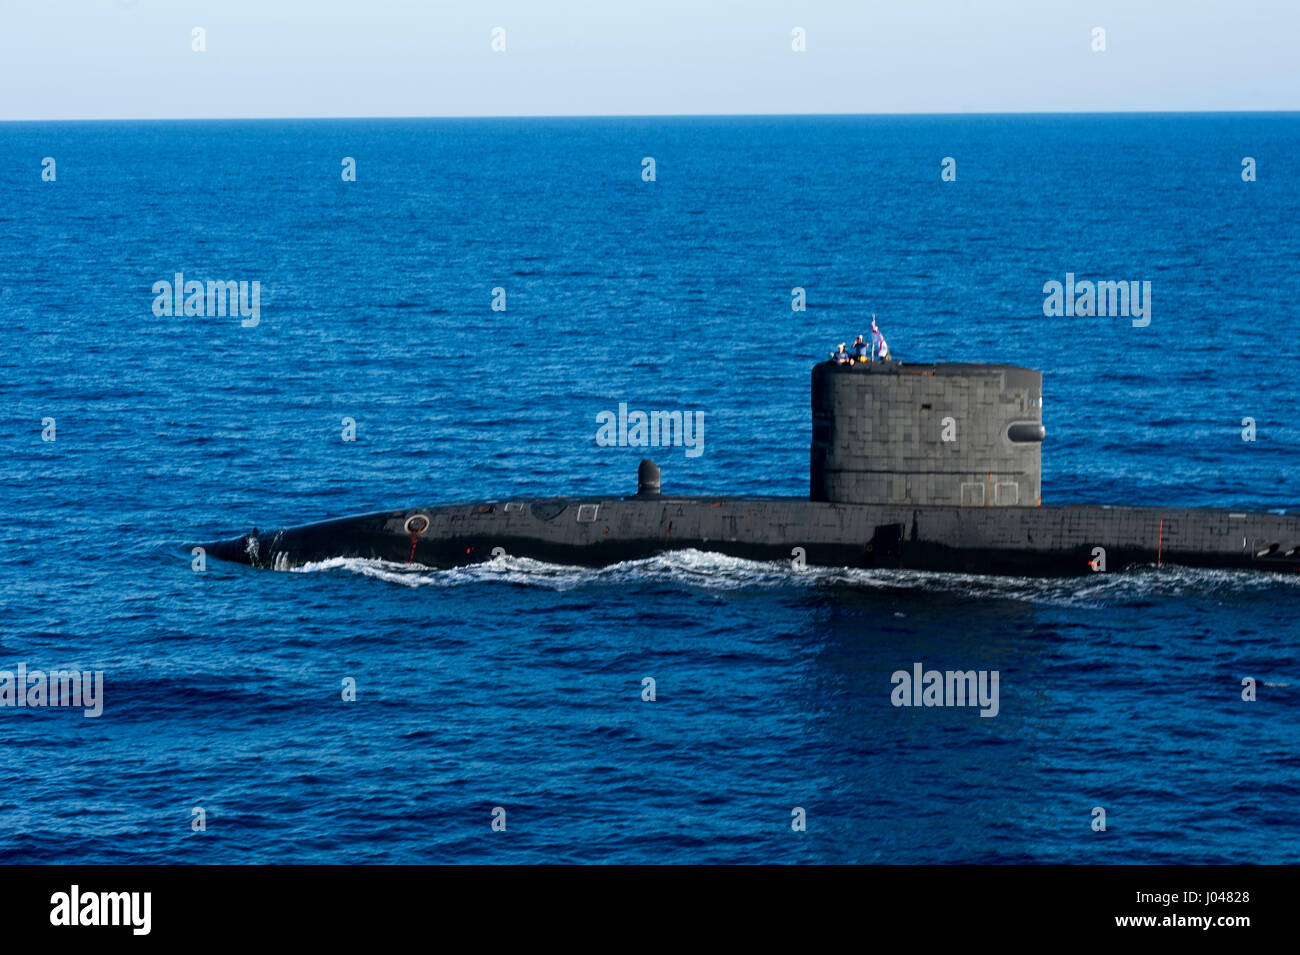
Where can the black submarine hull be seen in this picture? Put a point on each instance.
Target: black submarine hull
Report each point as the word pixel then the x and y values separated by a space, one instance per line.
pixel 1020 541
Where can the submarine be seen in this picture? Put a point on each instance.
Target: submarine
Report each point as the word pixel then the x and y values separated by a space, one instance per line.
pixel 933 467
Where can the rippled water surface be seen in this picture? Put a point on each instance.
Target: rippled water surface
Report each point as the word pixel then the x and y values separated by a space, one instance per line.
pixel 518 685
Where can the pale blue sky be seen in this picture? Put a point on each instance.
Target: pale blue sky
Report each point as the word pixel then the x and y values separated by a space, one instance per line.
pixel 104 59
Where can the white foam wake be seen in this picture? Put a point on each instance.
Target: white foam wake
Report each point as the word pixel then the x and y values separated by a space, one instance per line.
pixel 709 571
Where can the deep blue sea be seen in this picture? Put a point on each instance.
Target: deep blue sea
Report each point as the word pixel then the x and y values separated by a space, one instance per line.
pixel 518 685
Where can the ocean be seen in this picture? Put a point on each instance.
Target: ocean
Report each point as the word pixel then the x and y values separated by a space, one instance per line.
pixel 512 691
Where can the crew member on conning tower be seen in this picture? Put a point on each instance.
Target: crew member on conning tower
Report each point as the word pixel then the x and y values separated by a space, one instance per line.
pixel 878 344
pixel 860 351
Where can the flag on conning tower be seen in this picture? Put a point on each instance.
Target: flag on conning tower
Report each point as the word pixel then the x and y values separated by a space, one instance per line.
pixel 878 343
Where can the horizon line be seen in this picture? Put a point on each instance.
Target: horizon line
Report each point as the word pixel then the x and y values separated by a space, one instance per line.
pixel 1028 112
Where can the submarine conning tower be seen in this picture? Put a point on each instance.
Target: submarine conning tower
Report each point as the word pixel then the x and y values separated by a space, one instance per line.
pixel 953 434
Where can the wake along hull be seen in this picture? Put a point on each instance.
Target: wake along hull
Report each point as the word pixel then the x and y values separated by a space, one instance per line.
pixel 1020 541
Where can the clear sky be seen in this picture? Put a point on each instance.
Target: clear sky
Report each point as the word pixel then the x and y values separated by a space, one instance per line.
pixel 105 59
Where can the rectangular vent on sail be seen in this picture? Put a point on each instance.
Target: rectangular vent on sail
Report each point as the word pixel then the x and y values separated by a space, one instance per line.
pixel 587 512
